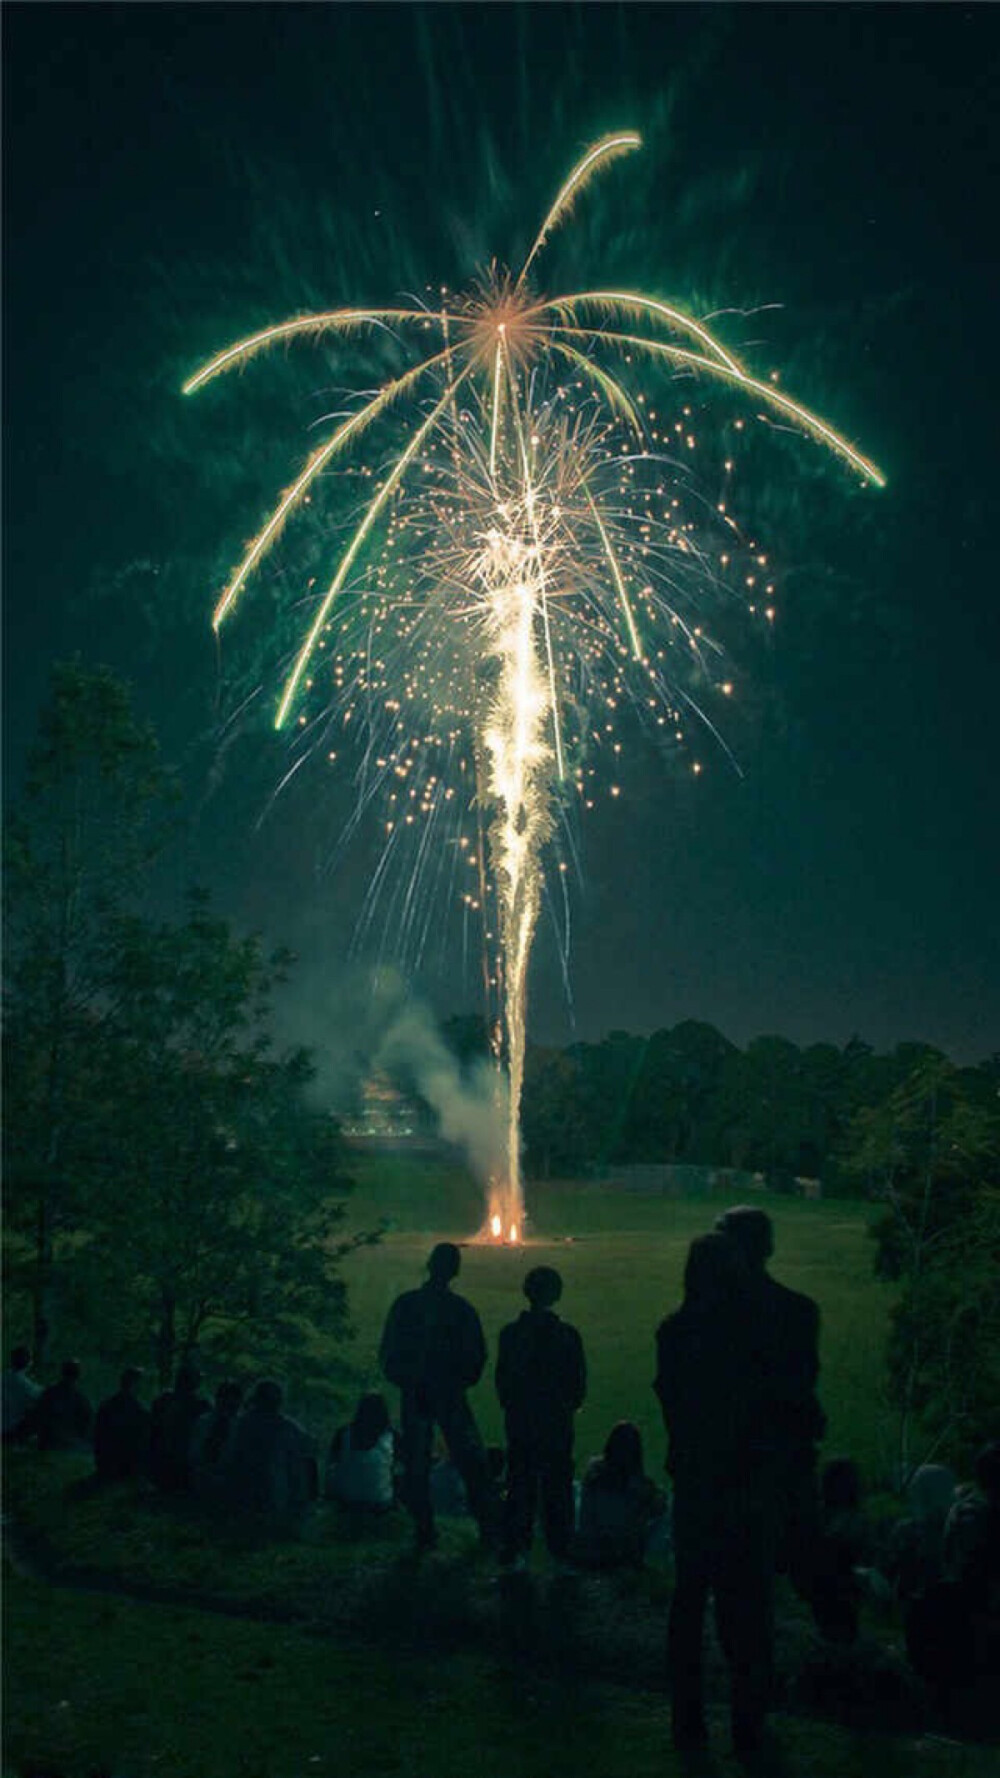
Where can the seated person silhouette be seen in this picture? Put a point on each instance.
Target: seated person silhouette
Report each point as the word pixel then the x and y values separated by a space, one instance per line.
pixel 360 1469
pixel 121 1432
pixel 619 1504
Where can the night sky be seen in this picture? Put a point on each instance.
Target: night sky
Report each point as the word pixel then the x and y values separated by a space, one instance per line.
pixel 178 175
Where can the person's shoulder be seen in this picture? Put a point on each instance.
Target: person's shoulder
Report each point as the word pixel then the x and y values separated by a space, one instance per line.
pixel 462 1306
pixel 408 1304
pixel 788 1301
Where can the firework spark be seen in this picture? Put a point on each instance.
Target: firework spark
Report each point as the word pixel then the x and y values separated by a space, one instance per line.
pixel 521 566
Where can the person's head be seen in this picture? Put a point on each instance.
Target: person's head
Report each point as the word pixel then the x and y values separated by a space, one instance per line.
pixel 130 1379
pixel 840 1485
pixel 444 1263
pixel 715 1275
pixel 70 1372
pixel 752 1231
pixel 623 1449
pixel 931 1492
pixel 20 1358
pixel 542 1287
pixel 267 1396
pixel 988 1471
pixel 228 1397
pixel 371 1420
pixel 187 1379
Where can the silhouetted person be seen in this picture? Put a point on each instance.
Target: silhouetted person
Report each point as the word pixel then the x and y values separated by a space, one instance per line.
pixel 62 1416
pixel 541 1379
pixel 121 1432
pixel 972 1531
pixel 433 1350
pixel 212 1437
pixel 844 1548
pixel 360 1468
pixel 173 1418
pixel 712 1381
pixel 952 1625
pixel 20 1394
pixel 789 1325
pixel 915 1554
pixel 271 1467
pixel 618 1503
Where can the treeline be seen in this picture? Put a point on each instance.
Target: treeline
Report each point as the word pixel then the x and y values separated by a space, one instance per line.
pixel 688 1095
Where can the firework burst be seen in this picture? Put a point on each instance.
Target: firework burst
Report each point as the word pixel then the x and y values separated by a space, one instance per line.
pixel 523 560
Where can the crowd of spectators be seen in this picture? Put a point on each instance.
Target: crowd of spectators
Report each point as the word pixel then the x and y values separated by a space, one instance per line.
pixel 736 1376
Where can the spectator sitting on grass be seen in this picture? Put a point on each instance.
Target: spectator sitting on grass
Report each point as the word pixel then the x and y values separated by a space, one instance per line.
pixel 121 1432
pixel 447 1489
pixel 20 1393
pixel 359 1471
pixel 212 1436
pixel 62 1416
pixel 619 1505
pixel 915 1554
pixel 173 1416
pixel 972 1532
pixel 271 1468
pixel 952 1626
pixel 844 1552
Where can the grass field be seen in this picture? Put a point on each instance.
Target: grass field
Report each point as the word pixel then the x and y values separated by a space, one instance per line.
pixel 106 1688
pixel 621 1256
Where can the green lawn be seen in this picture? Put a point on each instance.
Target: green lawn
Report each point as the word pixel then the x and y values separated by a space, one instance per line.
pixel 621 1256
pixel 107 1688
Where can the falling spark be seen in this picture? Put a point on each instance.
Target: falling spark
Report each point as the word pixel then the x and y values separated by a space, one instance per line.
pixel 521 564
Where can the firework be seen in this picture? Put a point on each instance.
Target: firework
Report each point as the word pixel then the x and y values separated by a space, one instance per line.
pixel 520 565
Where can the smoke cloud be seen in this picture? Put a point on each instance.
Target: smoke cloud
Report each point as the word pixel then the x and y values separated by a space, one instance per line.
pixel 471 1103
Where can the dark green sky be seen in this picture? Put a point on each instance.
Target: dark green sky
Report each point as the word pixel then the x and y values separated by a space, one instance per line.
pixel 177 174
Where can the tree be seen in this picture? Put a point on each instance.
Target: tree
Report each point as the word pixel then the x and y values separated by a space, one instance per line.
pixel 213 1185
pixel 95 811
pixel 669 1115
pixel 552 1120
pixel 931 1153
pixel 762 1108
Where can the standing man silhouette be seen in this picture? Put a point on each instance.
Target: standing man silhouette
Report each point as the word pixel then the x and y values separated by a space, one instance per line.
pixel 712 1380
pixel 541 1380
pixel 433 1350
pixel 789 1324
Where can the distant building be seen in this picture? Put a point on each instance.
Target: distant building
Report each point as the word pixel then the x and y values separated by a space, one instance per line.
pixel 385 1113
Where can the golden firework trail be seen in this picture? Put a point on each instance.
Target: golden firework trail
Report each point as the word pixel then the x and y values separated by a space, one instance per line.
pixel 519 567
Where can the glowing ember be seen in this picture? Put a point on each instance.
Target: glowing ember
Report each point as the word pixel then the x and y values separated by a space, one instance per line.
pixel 512 1237
pixel 496 1227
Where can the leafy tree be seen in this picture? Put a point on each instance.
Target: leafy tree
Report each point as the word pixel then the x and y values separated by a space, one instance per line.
pixel 95 810
pixel 762 1108
pixel 931 1152
pixel 670 1112
pixel 213 1185
pixel 552 1116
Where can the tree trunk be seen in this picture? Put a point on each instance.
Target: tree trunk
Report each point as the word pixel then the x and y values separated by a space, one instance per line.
pixel 42 1282
pixel 166 1337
